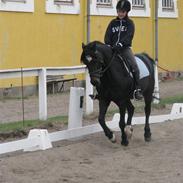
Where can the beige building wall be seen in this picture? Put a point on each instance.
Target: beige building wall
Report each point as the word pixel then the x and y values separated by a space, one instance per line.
pixel 40 39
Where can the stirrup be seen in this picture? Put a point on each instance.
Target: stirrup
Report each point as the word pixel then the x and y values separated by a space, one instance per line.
pixel 93 97
pixel 138 94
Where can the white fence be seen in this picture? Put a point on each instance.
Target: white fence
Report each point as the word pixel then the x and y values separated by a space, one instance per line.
pixel 42 73
pixel 40 139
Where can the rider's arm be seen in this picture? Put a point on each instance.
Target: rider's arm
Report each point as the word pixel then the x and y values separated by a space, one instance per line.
pixel 127 39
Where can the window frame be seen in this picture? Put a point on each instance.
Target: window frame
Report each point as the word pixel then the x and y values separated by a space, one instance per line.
pixel 167 13
pixel 63 7
pixel 16 6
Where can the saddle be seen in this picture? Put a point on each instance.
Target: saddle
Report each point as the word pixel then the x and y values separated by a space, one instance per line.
pixel 126 65
pixel 143 70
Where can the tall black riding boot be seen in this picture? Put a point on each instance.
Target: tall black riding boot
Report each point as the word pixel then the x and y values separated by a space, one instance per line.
pixel 137 92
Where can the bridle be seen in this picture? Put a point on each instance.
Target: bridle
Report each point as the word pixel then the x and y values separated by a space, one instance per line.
pixel 99 72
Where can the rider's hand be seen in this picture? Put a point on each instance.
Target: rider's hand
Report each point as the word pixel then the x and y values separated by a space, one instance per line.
pixel 117 47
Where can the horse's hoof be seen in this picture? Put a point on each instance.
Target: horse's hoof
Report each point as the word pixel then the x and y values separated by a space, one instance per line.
pixel 128 131
pixel 147 139
pixel 124 143
pixel 113 139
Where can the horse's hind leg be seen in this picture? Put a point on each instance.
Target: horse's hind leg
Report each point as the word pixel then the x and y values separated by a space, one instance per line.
pixel 147 130
pixel 103 105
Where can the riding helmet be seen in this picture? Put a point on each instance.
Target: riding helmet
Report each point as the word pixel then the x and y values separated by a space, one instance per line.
pixel 124 5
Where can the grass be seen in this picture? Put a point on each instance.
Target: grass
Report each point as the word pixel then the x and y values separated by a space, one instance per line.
pixel 171 100
pixel 12 98
pixel 29 124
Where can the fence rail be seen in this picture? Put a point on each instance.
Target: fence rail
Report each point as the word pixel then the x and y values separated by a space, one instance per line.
pixel 41 73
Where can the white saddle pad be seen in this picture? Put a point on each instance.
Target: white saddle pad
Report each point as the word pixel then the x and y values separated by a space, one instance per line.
pixel 144 72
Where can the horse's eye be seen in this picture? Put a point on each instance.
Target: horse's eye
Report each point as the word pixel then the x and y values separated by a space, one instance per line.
pixel 88 58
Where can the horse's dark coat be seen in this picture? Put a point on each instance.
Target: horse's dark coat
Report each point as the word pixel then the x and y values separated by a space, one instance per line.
pixel 113 83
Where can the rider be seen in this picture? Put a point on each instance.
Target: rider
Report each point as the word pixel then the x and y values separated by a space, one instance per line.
pixel 119 36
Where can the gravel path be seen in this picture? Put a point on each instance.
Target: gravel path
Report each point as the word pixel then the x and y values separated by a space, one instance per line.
pixel 93 158
pixel 58 104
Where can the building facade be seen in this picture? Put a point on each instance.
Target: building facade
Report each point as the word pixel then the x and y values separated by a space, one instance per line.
pixel 49 33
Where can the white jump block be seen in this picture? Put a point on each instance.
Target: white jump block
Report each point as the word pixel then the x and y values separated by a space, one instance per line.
pixel 75 107
pixel 177 108
pixel 43 140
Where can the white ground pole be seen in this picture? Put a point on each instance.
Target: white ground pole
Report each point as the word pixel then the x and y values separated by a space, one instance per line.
pixel 156 87
pixel 75 107
pixel 40 139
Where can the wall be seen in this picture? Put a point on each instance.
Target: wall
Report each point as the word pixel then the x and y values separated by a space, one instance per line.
pixel 41 39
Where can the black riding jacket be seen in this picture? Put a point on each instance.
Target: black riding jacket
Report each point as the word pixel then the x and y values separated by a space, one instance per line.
pixel 120 31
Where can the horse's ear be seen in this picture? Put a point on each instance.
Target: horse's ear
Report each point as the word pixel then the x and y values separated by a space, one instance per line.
pixel 83 45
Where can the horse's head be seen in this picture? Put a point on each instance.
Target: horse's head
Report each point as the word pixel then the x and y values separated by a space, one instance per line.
pixel 94 60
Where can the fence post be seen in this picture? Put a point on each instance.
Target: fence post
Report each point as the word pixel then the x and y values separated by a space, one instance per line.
pixel 89 91
pixel 42 95
pixel 156 86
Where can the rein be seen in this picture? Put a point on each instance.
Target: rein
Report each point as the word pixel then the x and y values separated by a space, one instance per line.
pixel 97 73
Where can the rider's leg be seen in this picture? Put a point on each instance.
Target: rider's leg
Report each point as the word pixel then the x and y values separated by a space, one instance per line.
pixel 128 55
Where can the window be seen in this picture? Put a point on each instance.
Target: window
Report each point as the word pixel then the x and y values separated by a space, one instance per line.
pixel 168 9
pixel 63 6
pixel 17 5
pixel 108 8
pixel 18 1
pixel 168 5
pixel 138 4
pixel 103 7
pixel 104 3
pixel 62 2
pixel 140 8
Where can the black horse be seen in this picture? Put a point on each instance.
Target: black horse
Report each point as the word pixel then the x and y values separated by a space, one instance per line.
pixel 113 81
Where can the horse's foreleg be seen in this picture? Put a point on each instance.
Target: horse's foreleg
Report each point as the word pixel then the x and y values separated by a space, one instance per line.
pixel 128 128
pixel 103 105
pixel 147 130
pixel 124 139
pixel 130 109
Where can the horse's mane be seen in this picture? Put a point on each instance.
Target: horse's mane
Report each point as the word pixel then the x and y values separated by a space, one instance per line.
pixel 104 48
pixel 96 43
